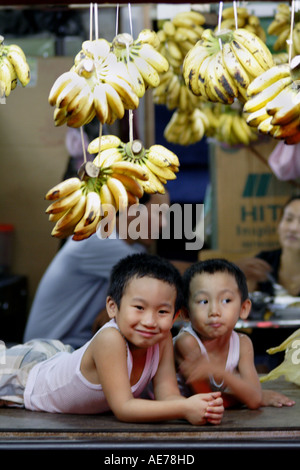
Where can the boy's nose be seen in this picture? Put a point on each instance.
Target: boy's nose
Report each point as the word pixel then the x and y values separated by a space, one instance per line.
pixel 213 311
pixel 149 319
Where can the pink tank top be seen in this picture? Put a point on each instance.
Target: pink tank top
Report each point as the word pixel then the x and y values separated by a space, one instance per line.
pixel 58 386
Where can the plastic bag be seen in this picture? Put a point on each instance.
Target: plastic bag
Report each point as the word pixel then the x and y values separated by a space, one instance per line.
pixel 290 367
pixel 285 161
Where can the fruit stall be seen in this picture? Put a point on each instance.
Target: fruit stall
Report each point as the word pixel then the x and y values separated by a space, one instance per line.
pixel 101 103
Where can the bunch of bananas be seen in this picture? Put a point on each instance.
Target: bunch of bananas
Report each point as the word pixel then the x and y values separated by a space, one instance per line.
pixel 178 35
pixel 141 59
pixel 281 27
pixel 173 92
pixel 273 104
pixel 233 128
pixel 222 73
pixel 152 167
pixel 186 126
pixel 13 67
pixel 245 20
pixel 97 85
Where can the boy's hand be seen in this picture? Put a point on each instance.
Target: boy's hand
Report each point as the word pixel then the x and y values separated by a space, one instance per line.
pixel 204 408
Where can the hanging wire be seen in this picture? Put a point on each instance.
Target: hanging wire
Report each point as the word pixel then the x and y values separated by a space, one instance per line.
pixel 235 14
pixel 290 41
pixel 130 112
pixel 219 22
pixel 117 19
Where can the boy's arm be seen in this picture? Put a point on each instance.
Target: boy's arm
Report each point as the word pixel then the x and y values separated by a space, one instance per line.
pixel 109 355
pixel 244 386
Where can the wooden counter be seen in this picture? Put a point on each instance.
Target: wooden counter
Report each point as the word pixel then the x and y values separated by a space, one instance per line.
pixel 241 429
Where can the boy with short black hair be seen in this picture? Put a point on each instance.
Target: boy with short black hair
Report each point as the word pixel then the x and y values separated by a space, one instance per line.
pixel 209 353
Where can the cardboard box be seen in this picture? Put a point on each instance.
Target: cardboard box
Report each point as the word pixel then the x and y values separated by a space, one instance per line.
pixel 246 199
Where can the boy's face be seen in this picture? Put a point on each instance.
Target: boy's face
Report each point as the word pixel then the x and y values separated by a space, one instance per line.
pixel 215 304
pixel 146 312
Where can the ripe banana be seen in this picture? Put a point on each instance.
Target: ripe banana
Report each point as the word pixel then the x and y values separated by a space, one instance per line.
pixel 266 79
pixel 119 193
pixel 131 184
pixel 20 65
pixel 130 169
pixel 63 188
pixel 70 219
pixel 263 97
pixel 255 46
pixel 104 142
pixel 65 203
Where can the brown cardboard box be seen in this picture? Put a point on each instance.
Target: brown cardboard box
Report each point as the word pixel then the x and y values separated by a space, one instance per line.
pixel 247 199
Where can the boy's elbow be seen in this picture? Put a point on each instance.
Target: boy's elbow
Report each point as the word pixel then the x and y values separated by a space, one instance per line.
pixel 255 402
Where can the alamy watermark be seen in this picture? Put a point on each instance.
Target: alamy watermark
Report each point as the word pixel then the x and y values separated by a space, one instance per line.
pixel 158 221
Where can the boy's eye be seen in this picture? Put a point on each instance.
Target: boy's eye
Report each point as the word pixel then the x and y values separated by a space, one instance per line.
pixel 139 307
pixel 226 301
pixel 202 301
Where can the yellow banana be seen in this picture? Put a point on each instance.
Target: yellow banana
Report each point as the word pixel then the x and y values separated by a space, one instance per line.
pixel 128 96
pixel 153 183
pixel 256 46
pixel 287 130
pixel 153 57
pixel 246 58
pixel 235 69
pixel 266 126
pixel 20 65
pixel 255 118
pixel 165 173
pixel 104 142
pixel 84 115
pixel 107 157
pixel 63 188
pixel 267 78
pixel 129 168
pixel 137 81
pixel 65 203
pixel 224 86
pixel 163 152
pixel 114 101
pixel 70 91
pixel 84 232
pixel 130 183
pixel 265 96
pixel 100 103
pixel 72 216
pixel 60 116
pixel 5 79
pixel 229 12
pixel 77 103
pixel 60 83
pixel 148 72
pixel 119 193
pixel 148 36
pixel 92 210
pixel 290 110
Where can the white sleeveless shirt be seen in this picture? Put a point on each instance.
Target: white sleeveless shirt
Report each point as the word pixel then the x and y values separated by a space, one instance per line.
pixel 232 357
pixel 58 386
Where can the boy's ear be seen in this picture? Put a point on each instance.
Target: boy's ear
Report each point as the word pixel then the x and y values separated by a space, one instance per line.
pixel 245 309
pixel 111 307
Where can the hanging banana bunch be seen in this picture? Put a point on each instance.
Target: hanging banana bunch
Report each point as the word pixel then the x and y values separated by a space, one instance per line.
pixel 222 73
pixel 117 178
pixel 13 67
pixel 245 20
pixel 179 35
pixel 273 106
pixel 141 59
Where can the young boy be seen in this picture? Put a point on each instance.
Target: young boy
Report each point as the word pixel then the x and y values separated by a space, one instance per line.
pixel 209 353
pixel 135 346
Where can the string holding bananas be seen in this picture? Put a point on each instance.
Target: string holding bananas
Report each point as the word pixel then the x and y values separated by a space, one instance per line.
pixel 179 35
pixel 245 20
pixel 96 85
pixel 151 167
pixel 273 104
pixel 13 67
pixel 222 74
pixel 141 59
